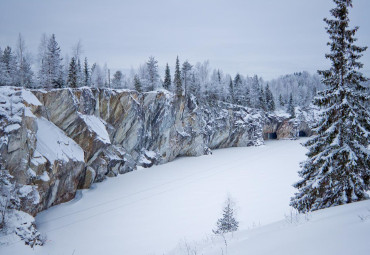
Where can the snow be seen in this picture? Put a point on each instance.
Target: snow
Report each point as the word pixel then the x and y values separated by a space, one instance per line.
pixel 11 127
pixel 25 190
pixel 44 177
pixel 338 230
pixel 28 113
pixel 97 126
pixel 53 144
pixel 30 98
pixel 152 210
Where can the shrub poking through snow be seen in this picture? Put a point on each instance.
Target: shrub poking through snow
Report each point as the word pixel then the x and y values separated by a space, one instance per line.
pixel 227 223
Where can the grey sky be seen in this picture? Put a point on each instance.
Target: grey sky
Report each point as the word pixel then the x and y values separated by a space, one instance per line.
pixel 264 37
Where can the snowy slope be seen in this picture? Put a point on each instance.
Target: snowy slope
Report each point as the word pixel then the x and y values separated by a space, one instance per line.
pixel 151 211
pixel 339 230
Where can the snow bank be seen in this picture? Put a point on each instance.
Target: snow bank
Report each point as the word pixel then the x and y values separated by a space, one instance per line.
pixel 53 144
pixel 97 126
pixel 339 230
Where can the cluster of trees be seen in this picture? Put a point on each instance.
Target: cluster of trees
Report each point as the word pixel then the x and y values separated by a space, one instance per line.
pixel 199 80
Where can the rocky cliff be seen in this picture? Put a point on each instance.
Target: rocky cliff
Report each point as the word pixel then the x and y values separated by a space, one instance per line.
pixel 60 140
pixel 55 142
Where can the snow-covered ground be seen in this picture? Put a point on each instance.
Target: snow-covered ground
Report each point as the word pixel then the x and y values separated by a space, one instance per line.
pixel 152 211
pixel 339 230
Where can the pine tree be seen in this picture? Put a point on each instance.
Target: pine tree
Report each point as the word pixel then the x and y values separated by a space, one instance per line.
pixel 9 65
pixel 51 70
pixel 262 99
pixel 337 170
pixel 117 80
pixel 153 76
pixel 137 84
pixel 290 108
pixel 80 78
pixel 186 75
pixel 270 102
pixel 72 74
pixel 231 91
pixel 227 223
pixel 177 78
pixel 86 74
pixel 281 101
pixel 24 71
pixel 238 90
pixel 167 78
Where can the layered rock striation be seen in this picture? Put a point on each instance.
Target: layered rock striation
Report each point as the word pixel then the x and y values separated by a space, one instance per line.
pixel 61 140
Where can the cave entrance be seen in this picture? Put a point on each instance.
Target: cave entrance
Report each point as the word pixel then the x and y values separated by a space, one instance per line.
pixel 271 136
pixel 302 134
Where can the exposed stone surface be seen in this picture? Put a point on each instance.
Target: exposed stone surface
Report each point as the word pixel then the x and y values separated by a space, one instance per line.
pixel 115 130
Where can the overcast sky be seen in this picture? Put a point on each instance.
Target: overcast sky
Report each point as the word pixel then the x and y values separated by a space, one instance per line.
pixel 265 37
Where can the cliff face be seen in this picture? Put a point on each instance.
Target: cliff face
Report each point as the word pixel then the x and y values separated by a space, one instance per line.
pixel 60 140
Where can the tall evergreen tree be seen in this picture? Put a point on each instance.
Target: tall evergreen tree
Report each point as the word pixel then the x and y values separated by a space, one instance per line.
pixel 9 64
pixel 337 170
pixel 24 71
pixel 153 76
pixel 51 72
pixel 231 91
pixel 290 108
pixel 72 74
pixel 86 74
pixel 167 78
pixel 117 80
pixel 137 84
pixel 186 75
pixel 281 101
pixel 177 78
pixel 238 89
pixel 270 102
pixel 3 73
pixel 262 99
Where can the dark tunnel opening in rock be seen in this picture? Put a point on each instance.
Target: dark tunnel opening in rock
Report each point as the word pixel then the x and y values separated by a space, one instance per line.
pixel 272 136
pixel 302 134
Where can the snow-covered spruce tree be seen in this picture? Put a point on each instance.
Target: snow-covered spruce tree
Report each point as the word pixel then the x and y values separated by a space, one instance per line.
pixel 337 170
pixel 24 71
pixel 231 91
pixel 227 223
pixel 290 108
pixel 86 74
pixel 167 78
pixel 51 70
pixel 137 84
pixel 281 101
pixel 72 74
pixel 186 75
pixel 9 68
pixel 117 80
pixel 270 102
pixel 153 76
pixel 177 79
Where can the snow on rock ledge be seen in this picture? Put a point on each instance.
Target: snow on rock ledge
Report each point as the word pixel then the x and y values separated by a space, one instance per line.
pixel 53 144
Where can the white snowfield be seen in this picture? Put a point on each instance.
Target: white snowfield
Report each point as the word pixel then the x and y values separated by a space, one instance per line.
pixel 158 210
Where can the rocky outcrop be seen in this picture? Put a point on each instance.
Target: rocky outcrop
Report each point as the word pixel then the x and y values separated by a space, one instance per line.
pixel 281 126
pixel 60 140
